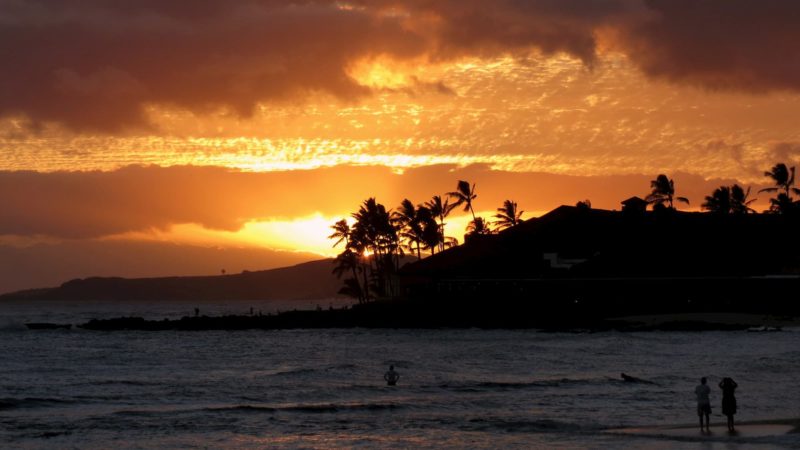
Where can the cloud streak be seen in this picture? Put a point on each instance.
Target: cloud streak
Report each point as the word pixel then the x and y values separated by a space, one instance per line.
pixel 98 65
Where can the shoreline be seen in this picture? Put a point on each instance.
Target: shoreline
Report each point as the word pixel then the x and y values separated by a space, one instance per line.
pixel 400 317
pixel 744 429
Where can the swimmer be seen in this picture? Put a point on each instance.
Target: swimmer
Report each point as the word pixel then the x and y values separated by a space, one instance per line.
pixel 391 376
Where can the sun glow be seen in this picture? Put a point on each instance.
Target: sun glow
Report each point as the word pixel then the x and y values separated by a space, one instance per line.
pixel 305 234
pixel 385 73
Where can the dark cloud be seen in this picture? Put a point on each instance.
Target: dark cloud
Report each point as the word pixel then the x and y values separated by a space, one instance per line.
pixel 720 44
pixel 786 152
pixel 95 65
pixel 84 205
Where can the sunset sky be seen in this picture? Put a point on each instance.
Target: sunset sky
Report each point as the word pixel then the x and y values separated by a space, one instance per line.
pixel 162 137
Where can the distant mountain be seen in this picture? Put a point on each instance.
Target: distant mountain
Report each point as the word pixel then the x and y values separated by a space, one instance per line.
pixel 311 280
pixel 48 264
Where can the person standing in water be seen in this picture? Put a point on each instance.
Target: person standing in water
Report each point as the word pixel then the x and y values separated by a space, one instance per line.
pixel 391 376
pixel 702 391
pixel 728 387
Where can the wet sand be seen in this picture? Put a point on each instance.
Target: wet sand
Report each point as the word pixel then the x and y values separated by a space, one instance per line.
pixel 754 429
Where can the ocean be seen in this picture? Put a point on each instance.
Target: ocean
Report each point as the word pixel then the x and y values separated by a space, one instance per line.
pixel 468 388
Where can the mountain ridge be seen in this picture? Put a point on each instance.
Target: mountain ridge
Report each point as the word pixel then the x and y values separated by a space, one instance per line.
pixel 303 281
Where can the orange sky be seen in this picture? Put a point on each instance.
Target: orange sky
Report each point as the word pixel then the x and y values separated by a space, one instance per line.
pixel 210 126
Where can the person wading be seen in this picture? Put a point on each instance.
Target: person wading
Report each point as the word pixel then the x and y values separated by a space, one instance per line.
pixel 391 376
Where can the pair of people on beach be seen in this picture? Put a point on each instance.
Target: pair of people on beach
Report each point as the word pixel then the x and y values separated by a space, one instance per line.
pixel 703 393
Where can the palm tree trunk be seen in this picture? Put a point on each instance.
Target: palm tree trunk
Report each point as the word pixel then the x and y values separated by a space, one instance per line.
pixel 358 283
pixel 441 229
pixel 366 283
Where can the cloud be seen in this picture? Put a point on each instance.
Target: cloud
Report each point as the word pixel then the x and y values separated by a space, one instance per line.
pixel 786 152
pixel 98 65
pixel 83 205
pixel 719 44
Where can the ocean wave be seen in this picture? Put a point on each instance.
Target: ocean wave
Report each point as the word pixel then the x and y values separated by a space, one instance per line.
pixel 12 325
pixel 306 408
pixel 124 383
pixel 31 402
pixel 513 425
pixel 470 386
pixel 307 370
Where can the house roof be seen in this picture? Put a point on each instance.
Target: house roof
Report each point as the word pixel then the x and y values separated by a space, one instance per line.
pixel 634 201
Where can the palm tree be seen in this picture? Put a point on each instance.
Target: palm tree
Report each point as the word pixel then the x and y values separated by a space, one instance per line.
pixel 341 232
pixel 440 210
pixel 739 202
pixel 728 200
pixel 507 215
pixel 719 202
pixel 664 192
pixel 783 178
pixel 464 195
pixel 407 219
pixel 431 234
pixel 379 235
pixel 478 226
pixel 783 204
pixel 352 288
pixel 346 261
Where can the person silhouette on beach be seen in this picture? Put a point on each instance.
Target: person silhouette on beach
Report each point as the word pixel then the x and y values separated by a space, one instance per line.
pixel 702 391
pixel 728 387
pixel 391 376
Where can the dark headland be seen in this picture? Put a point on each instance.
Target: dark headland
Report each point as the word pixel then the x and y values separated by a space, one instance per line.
pixel 573 268
pixel 307 281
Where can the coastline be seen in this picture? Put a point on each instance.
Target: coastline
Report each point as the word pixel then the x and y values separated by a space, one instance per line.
pixel 402 315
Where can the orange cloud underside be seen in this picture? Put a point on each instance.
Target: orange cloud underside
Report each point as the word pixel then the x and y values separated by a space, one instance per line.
pixel 532 114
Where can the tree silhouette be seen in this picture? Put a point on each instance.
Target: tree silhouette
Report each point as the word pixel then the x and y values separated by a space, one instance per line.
pixel 464 195
pixel 719 202
pixel 664 192
pixel 379 235
pixel 507 215
pixel 413 223
pixel 352 288
pixel 431 235
pixel 478 226
pixel 440 210
pixel 783 204
pixel 783 178
pixel 341 232
pixel 727 200
pixel 348 261
pixel 739 202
